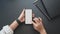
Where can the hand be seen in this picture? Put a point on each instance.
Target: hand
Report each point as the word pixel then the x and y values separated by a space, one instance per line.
pixel 22 16
pixel 38 25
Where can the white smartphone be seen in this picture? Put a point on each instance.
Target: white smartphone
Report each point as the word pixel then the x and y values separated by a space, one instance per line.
pixel 28 16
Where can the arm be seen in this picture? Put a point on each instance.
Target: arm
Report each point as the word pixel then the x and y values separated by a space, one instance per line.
pixel 21 18
pixel 14 25
pixel 8 29
pixel 38 25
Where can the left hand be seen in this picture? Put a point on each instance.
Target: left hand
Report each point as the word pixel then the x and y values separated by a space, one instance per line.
pixel 22 16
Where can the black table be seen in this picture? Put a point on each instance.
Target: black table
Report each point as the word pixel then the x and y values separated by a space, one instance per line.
pixel 11 9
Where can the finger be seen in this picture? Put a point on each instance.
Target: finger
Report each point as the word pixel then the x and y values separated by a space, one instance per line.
pixel 36 20
pixel 34 24
pixel 33 15
pixel 40 19
pixel 23 11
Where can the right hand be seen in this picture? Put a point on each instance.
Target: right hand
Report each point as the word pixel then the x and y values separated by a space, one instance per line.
pixel 37 24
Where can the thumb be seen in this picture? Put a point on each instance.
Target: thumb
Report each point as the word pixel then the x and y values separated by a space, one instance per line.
pixel 34 24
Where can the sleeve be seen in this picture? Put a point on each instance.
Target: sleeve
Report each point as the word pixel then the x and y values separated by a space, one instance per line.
pixel 6 30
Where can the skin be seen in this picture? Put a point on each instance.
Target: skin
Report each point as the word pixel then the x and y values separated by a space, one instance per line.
pixel 38 25
pixel 21 17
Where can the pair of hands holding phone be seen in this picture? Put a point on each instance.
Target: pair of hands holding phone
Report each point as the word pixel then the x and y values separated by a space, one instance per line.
pixel 37 23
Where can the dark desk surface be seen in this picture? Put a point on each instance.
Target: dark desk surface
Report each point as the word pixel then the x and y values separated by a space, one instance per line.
pixel 10 10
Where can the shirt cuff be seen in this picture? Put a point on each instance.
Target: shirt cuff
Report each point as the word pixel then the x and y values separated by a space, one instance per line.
pixel 7 29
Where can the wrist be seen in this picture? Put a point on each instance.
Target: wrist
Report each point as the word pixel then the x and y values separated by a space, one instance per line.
pixel 17 20
pixel 20 19
pixel 43 31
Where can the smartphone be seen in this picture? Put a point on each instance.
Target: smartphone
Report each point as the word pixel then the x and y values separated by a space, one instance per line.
pixel 28 16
